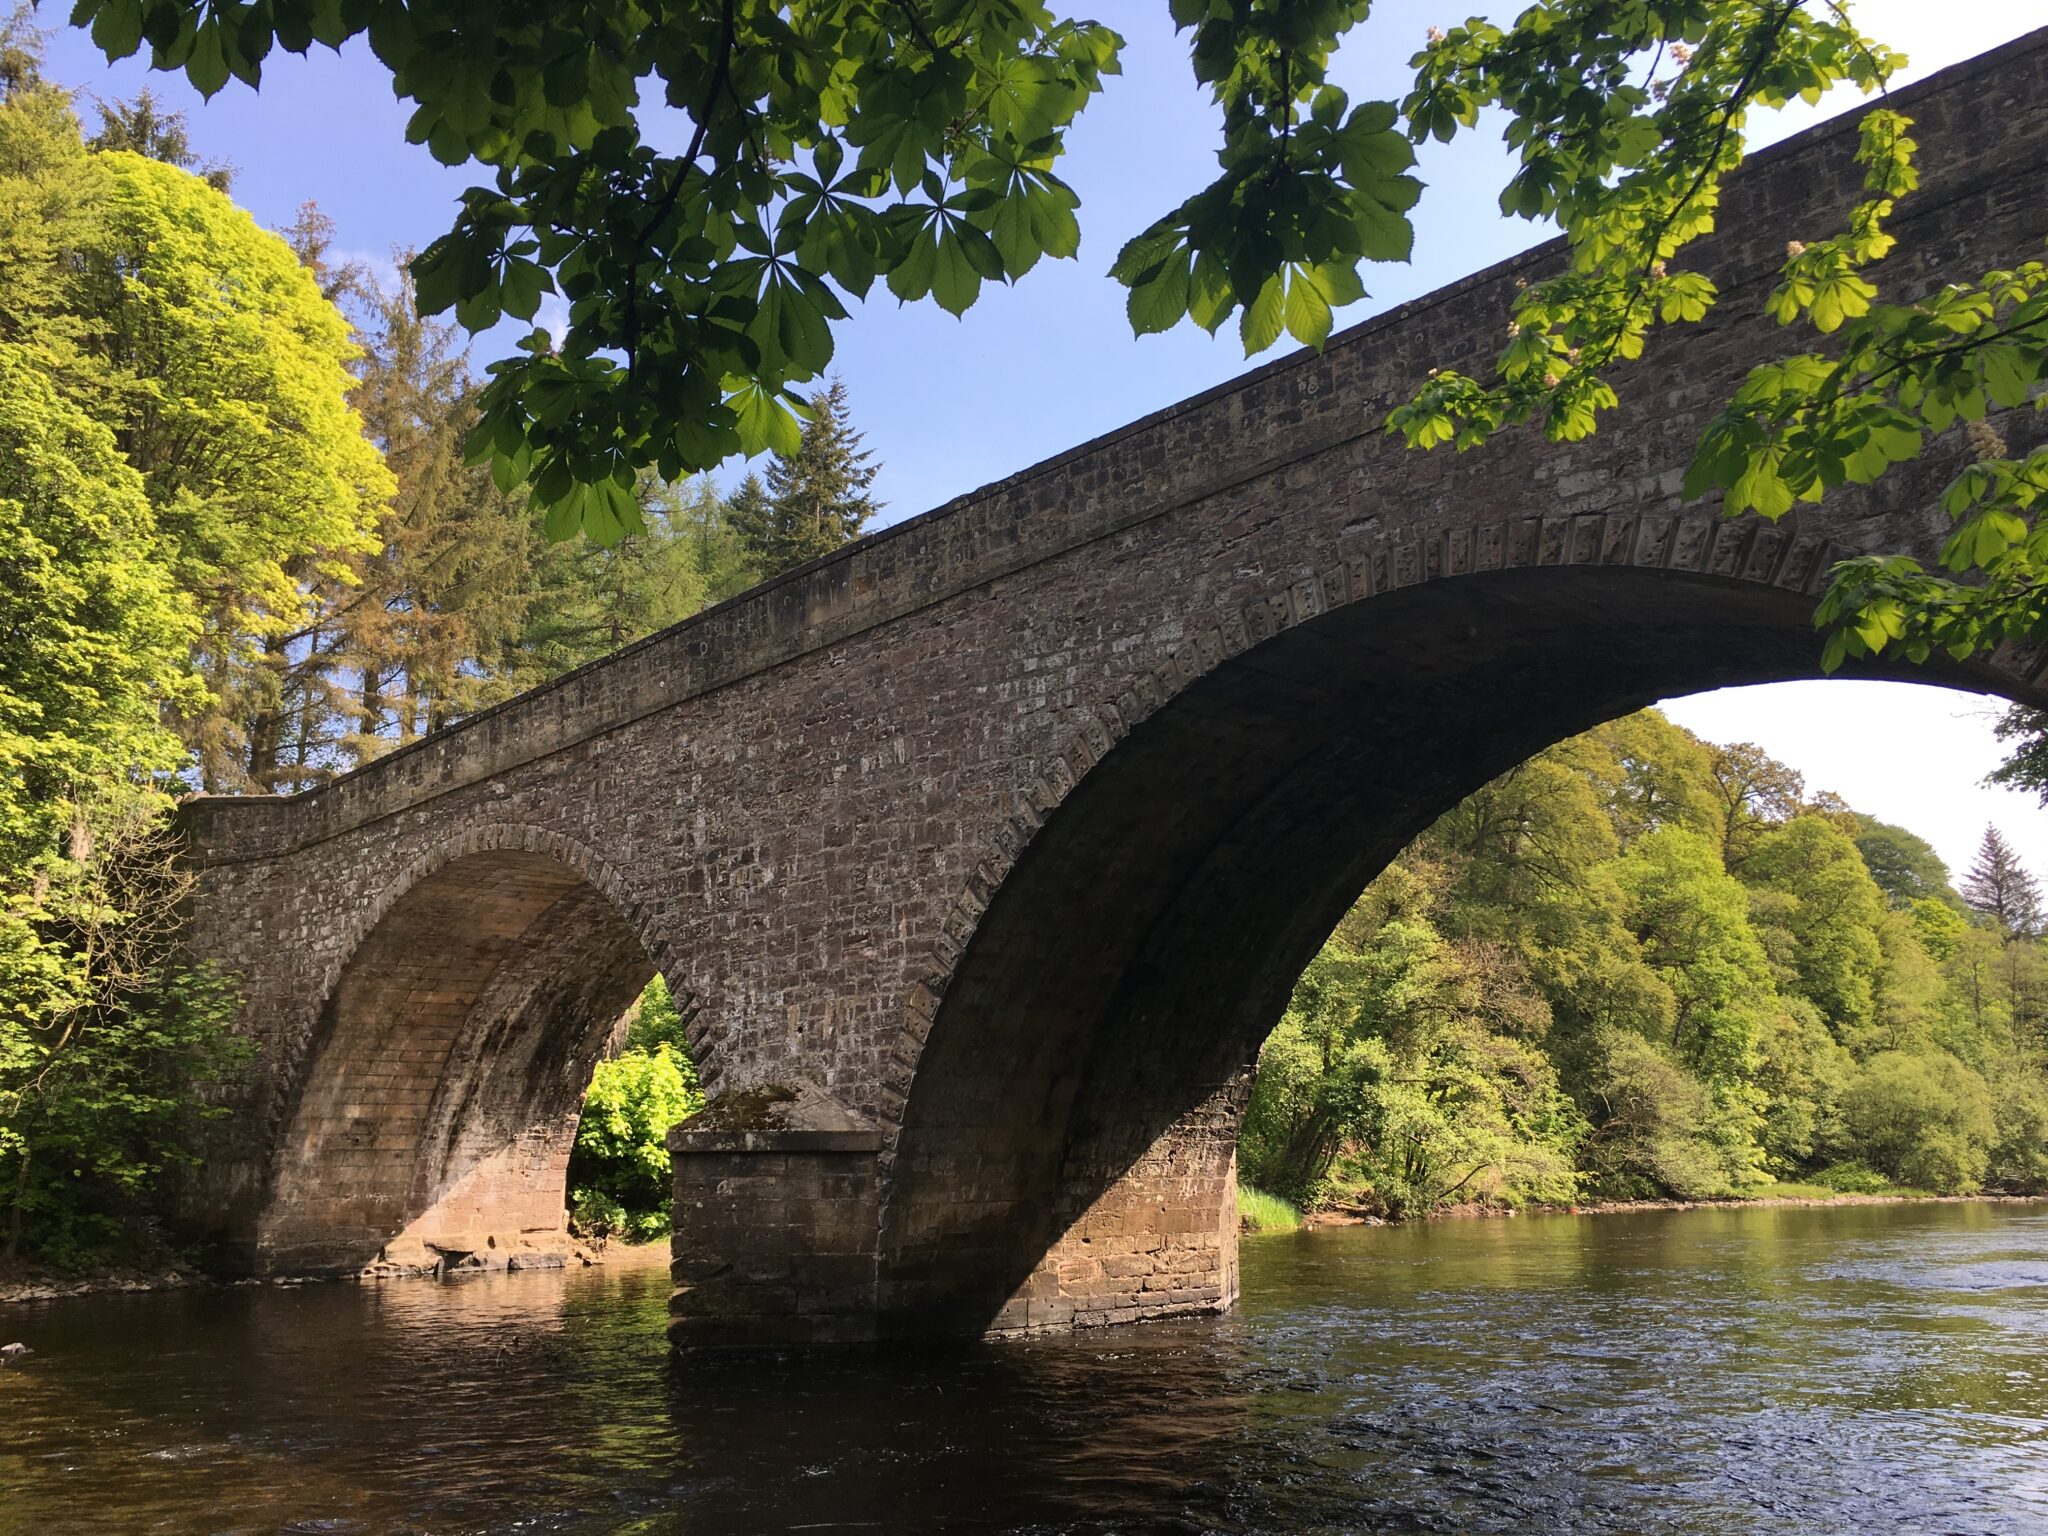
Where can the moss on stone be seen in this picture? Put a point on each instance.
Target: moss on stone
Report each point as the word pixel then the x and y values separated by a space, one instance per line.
pixel 745 1109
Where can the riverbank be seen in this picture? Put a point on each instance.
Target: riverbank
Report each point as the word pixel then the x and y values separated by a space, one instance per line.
pixel 1352 1217
pixel 21 1281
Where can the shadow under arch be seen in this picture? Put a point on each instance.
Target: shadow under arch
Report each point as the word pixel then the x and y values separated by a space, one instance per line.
pixel 1067 1148
pixel 435 1113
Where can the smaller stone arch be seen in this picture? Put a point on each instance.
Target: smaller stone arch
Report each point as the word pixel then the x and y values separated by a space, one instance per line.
pixel 489 837
pixel 438 1094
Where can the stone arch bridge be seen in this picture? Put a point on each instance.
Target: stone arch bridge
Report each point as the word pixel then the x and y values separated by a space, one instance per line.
pixel 984 853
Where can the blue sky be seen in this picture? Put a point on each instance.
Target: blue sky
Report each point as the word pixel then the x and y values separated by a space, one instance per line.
pixel 949 405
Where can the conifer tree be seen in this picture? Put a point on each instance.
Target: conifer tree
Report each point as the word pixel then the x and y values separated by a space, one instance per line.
pixel 143 127
pixel 1999 886
pixel 813 501
pixel 423 622
pixel 750 516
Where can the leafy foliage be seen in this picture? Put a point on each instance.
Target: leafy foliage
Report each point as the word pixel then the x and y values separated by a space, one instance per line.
pixel 104 1036
pixel 828 145
pixel 1637 965
pixel 1922 1118
pixel 1626 119
pixel 1904 864
pixel 619 1172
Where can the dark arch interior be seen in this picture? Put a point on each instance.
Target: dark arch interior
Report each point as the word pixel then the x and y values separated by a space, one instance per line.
pixel 437 1112
pixel 1122 979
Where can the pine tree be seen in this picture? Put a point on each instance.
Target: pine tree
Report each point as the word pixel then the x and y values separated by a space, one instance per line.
pixel 705 518
pixel 592 599
pixel 751 518
pixel 813 501
pixel 143 127
pixel 425 622
pixel 1999 886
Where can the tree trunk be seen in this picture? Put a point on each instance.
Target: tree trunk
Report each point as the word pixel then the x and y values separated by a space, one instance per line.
pixel 265 724
pixel 371 711
pixel 20 1199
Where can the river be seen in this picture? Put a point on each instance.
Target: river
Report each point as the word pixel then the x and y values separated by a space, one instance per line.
pixel 1851 1369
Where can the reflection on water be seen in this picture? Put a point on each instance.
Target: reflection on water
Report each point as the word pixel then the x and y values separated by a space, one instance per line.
pixel 1855 1369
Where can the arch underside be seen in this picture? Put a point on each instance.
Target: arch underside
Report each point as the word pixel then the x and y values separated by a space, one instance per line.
pixel 1067 1150
pixel 438 1112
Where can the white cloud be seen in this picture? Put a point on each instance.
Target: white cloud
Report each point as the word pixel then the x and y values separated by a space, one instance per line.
pixel 1904 753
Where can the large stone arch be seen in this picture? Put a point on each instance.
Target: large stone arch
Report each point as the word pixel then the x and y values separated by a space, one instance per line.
pixel 1081 1045
pixel 438 1093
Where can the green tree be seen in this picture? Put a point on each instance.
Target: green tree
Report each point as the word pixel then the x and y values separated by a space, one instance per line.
pixel 708 521
pixel 1802 1073
pixel 1904 864
pixel 1692 919
pixel 1756 792
pixel 1661 775
pixel 422 626
pixel 143 127
pixel 1829 915
pixel 2019 1106
pixel 1998 885
pixel 1924 1119
pixel 813 500
pixel 102 1038
pixel 98 635
pixel 1389 1061
pixel 619 1172
pixel 229 384
pixel 1658 1130
pixel 590 599
pixel 2026 764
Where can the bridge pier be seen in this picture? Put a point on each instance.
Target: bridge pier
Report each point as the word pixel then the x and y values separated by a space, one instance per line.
pixel 780 1235
pixel 777 1202
pixel 1148 1233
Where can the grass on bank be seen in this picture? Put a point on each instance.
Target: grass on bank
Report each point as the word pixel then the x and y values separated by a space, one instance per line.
pixel 1796 1189
pixel 1258 1211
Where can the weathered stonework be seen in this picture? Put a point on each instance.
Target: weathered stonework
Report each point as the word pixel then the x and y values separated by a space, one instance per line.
pixel 1000 836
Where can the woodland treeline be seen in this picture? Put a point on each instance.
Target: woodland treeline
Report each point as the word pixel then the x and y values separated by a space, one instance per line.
pixel 1640 965
pixel 243 552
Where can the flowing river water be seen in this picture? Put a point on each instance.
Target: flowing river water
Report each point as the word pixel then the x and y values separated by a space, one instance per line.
pixel 1852 1369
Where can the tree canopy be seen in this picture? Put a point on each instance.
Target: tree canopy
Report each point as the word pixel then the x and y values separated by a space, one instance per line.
pixel 1555 995
pixel 824 146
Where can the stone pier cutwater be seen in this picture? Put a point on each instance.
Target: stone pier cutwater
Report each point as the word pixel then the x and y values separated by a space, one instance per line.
pixel 983 854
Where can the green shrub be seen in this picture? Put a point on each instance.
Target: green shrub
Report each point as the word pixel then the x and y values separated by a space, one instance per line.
pixel 619 1175
pixel 598 1217
pixel 96 1109
pixel 2019 1161
pixel 1922 1118
pixel 1853 1178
